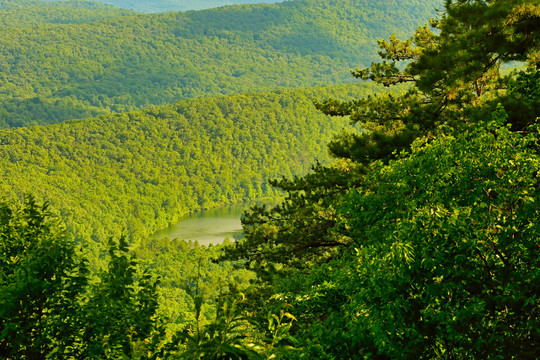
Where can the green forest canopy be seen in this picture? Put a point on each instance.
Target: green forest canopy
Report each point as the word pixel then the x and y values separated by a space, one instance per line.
pixel 421 240
pixel 52 73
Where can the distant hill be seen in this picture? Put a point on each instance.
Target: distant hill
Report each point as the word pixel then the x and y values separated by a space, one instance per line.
pixel 52 73
pixel 28 13
pixel 142 170
pixel 155 6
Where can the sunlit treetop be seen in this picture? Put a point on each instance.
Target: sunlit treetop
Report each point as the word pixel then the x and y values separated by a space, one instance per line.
pixel 452 66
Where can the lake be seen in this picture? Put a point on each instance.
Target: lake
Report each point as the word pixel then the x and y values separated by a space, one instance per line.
pixel 207 226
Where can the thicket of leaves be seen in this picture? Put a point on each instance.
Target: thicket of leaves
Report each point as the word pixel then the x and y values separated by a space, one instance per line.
pixel 53 306
pixel 443 255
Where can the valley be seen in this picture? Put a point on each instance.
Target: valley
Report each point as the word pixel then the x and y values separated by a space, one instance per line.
pixel 388 151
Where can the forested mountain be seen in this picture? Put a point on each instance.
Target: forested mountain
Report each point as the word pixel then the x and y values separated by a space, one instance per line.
pixel 29 13
pixel 142 170
pixel 52 73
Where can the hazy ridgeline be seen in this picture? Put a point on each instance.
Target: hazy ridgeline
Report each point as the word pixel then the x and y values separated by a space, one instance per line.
pixel 178 5
pixel 32 13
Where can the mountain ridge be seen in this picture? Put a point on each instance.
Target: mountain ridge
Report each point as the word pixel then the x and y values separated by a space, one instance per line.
pixel 147 6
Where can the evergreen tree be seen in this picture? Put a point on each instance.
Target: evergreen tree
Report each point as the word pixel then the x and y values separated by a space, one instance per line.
pixel 452 68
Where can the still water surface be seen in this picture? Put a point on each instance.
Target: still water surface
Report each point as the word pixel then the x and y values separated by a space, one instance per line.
pixel 207 226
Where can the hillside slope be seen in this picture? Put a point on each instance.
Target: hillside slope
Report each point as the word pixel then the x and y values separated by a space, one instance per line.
pixel 52 73
pixel 142 170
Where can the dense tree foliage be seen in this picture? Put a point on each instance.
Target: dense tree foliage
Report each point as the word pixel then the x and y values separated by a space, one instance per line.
pixel 40 281
pixel 52 306
pixel 442 260
pixel 53 73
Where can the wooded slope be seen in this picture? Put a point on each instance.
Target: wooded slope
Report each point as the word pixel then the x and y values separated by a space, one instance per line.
pixel 142 170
